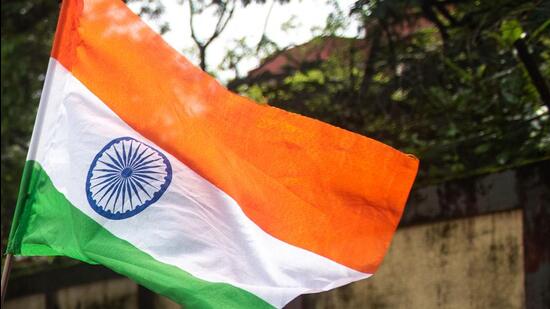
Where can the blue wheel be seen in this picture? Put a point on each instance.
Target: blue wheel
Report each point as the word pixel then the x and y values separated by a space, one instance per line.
pixel 126 177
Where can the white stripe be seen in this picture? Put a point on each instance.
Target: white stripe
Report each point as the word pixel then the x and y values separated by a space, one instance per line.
pixel 194 225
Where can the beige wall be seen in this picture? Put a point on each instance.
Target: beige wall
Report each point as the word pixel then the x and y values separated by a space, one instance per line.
pixel 36 301
pixel 466 263
pixel 117 293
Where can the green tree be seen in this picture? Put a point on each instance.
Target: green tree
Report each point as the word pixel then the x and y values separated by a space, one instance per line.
pixel 443 80
pixel 26 34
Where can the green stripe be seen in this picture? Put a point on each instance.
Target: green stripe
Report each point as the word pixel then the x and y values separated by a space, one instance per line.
pixel 47 224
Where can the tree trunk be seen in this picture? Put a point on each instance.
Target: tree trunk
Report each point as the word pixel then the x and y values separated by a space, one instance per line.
pixel 202 55
pixel 534 73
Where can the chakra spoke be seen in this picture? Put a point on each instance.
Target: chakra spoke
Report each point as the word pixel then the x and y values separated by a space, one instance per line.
pixel 147 162
pixel 135 155
pixel 107 170
pixel 138 157
pixel 107 186
pixel 123 154
pixel 108 164
pixel 112 190
pixel 150 172
pixel 118 192
pixel 124 192
pixel 145 182
pixel 103 181
pixel 138 163
pixel 150 167
pixel 129 154
pixel 131 183
pixel 129 191
pixel 117 154
pixel 105 175
pixel 107 192
pixel 141 187
pixel 145 176
pixel 114 161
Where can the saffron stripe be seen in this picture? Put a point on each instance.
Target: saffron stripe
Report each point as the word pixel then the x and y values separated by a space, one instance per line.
pixel 309 184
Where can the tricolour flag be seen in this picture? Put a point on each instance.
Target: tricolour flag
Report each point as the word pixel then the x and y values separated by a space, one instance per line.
pixel 141 162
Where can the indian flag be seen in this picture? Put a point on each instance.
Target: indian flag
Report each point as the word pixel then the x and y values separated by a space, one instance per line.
pixel 143 163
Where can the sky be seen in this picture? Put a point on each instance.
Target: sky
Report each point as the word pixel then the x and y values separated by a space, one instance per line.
pixel 247 22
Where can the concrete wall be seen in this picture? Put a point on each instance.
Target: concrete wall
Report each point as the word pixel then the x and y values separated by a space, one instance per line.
pixel 474 262
pixel 478 242
pixel 117 293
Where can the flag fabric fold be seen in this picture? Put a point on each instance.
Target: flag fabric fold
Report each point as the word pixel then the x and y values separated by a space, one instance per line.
pixel 141 162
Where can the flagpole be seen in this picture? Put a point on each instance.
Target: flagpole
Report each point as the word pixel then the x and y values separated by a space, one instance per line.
pixel 6 275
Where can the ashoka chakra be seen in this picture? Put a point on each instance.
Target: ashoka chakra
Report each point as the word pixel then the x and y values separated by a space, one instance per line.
pixel 126 177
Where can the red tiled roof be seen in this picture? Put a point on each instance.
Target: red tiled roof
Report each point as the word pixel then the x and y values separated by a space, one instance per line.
pixel 318 49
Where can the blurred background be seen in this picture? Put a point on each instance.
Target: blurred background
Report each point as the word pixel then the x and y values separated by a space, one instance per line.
pixel 461 84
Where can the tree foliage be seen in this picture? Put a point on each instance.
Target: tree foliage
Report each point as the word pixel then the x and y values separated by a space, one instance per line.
pixel 26 34
pixel 438 79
